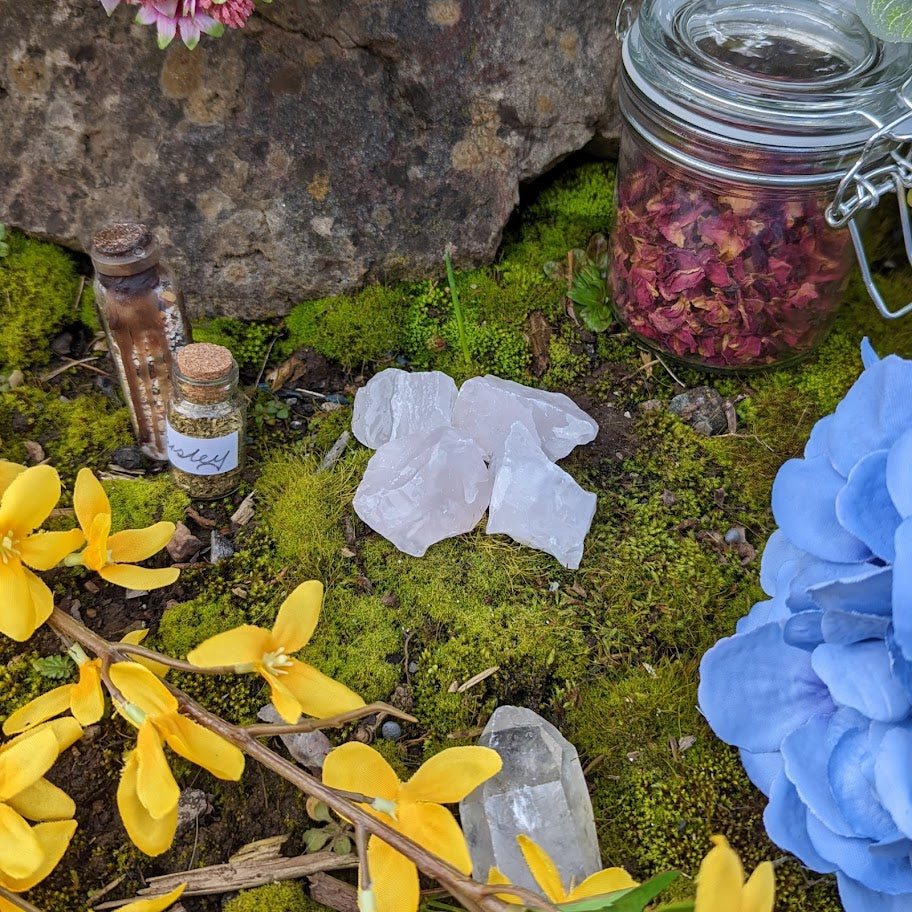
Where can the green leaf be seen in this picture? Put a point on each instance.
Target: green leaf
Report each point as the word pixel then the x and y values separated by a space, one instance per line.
pixel 633 900
pixel 314 840
pixel 55 667
pixel 685 905
pixel 341 845
pixel 887 19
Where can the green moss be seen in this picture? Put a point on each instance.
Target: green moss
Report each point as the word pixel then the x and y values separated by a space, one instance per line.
pixel 286 896
pixel 187 624
pixel 353 330
pixel 569 362
pixel 248 342
pixel 140 503
pixel 38 289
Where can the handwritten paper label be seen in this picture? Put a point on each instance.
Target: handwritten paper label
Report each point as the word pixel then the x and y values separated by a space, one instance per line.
pixel 202 457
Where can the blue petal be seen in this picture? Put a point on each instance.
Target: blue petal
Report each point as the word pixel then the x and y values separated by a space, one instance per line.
pixel 902 588
pixel 804 504
pixel 785 819
pixel 755 689
pixel 802 630
pixel 898 474
pixel 813 573
pixel 819 441
pixel 778 551
pixel 869 357
pixel 858 898
pixel 893 776
pixel 850 771
pixel 805 758
pixel 900 666
pixel 762 769
pixel 859 676
pixel 873 414
pixel 853 857
pixel 772 611
pixel 868 592
pixel 865 508
pixel 847 627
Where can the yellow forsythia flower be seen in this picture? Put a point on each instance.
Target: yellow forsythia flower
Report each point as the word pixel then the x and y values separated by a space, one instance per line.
pixel 147 795
pixel 155 903
pixel 413 808
pixel 296 687
pixel 27 497
pixel 112 556
pixel 721 886
pixel 548 877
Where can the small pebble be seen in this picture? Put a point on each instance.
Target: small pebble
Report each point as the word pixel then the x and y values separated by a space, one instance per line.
pixel 703 409
pixel 412 667
pixel 734 535
pixel 392 731
pixel 221 549
pixel 129 457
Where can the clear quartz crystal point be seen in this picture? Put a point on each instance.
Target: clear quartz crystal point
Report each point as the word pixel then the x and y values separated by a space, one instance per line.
pixel 536 502
pixel 487 407
pixel 396 403
pixel 420 489
pixel 540 791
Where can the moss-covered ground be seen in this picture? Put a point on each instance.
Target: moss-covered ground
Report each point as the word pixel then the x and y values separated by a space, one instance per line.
pixel 609 653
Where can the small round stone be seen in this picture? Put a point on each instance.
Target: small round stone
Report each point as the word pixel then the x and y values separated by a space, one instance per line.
pixel 129 457
pixel 392 731
pixel 734 535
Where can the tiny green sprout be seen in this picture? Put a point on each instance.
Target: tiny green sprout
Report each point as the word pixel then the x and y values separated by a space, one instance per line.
pixel 457 308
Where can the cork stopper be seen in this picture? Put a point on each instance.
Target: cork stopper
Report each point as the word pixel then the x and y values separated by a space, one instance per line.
pixel 203 361
pixel 124 249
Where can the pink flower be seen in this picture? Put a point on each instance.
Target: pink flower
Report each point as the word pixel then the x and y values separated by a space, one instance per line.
pixel 231 13
pixel 177 16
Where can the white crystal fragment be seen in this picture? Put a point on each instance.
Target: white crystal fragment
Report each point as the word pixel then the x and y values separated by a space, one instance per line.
pixel 420 489
pixel 396 403
pixel 487 406
pixel 536 502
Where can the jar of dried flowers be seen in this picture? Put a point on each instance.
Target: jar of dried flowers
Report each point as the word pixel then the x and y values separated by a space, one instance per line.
pixel 142 312
pixel 206 422
pixel 740 121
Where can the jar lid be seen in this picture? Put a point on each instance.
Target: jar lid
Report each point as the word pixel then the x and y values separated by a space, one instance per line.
pixel 806 73
pixel 204 362
pixel 124 249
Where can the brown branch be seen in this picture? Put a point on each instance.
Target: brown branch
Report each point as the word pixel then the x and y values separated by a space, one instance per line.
pixel 309 725
pixel 177 664
pixel 475 897
pixel 364 877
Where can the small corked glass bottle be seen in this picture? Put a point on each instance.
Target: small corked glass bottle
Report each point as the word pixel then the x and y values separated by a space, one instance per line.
pixel 206 421
pixel 143 316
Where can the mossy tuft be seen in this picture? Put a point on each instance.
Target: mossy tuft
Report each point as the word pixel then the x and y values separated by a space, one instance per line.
pixel 286 896
pixel 144 501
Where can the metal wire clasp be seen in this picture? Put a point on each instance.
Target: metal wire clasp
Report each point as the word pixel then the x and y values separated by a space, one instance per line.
pixel 860 190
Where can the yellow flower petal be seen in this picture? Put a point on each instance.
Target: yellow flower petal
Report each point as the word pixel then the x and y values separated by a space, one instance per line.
pixel 450 775
pixel 53 838
pixel 20 851
pixel 136 637
pixel 495 877
pixel 42 598
pixel 155 786
pixel 131 577
pixel 394 879
pixel 155 903
pixel 320 696
pixel 42 800
pixel 25 762
pixel 138 685
pixel 759 891
pixel 95 555
pixel 8 906
pixel 42 708
pixel 86 696
pixel 29 499
pixel 285 703
pixel 9 471
pixel 355 767
pixel 89 499
pixel 202 747
pixel 243 645
pixel 134 545
pixel 719 879
pixel 66 730
pixel 44 550
pixel 17 614
pixel 298 615
pixel 543 869
pixel 608 881
pixel 150 835
pixel 435 828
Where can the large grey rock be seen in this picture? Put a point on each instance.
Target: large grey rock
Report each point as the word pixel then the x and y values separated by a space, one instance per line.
pixel 421 489
pixel 328 143
pixel 396 403
pixel 487 407
pixel 540 791
pixel 536 502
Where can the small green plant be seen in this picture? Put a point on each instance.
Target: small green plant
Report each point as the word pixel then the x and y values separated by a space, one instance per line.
pixel 586 275
pixel 4 247
pixel 269 411
pixel 457 309
pixel 55 667
pixel 333 836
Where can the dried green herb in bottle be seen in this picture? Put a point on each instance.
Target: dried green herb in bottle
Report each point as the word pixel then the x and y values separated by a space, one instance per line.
pixel 206 421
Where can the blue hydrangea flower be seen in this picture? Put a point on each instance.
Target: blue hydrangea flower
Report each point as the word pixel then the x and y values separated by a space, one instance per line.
pixel 815 687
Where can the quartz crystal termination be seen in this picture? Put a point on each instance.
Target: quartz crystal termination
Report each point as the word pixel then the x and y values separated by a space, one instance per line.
pixel 420 489
pixel 395 403
pixel 487 407
pixel 536 502
pixel 540 791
